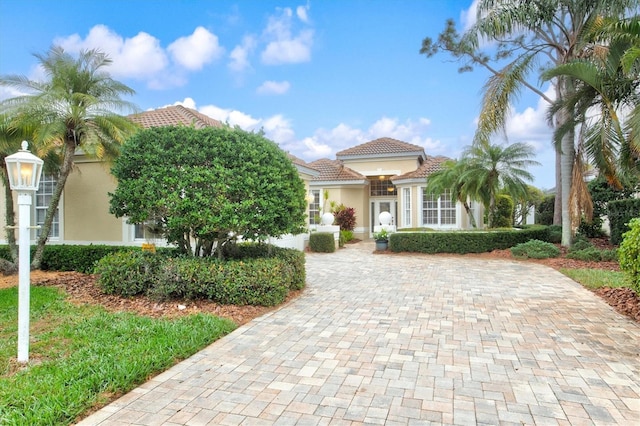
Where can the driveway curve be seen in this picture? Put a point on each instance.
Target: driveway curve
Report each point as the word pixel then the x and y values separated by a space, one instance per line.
pixel 385 339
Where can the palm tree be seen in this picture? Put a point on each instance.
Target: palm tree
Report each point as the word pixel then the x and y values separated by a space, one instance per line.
pixel 493 169
pixel 449 177
pixel 529 34
pixel 74 109
pixel 607 83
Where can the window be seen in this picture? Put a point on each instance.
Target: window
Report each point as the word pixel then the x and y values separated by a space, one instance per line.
pixel 314 208
pixel 43 198
pixel 406 203
pixel 382 187
pixel 438 210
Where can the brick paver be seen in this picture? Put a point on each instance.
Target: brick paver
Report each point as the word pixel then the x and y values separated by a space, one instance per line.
pixel 380 339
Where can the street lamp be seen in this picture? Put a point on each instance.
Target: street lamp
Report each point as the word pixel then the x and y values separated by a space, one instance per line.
pixel 24 170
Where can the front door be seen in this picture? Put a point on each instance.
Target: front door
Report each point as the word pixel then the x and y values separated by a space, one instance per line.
pixel 382 205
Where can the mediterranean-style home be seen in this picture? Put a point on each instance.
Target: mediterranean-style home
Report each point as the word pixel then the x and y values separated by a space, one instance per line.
pixel 382 175
pixel 385 175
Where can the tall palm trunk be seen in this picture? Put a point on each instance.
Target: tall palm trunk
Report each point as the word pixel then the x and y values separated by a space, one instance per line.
pixel 65 171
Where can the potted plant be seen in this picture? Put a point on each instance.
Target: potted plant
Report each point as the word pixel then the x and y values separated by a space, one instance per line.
pixel 382 239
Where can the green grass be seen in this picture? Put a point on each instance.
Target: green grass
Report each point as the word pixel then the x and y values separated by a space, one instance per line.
pixel 596 278
pixel 80 356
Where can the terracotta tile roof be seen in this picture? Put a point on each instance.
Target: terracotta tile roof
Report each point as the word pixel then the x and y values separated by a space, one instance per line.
pixel 382 146
pixel 334 170
pixel 302 165
pixel 430 165
pixel 174 116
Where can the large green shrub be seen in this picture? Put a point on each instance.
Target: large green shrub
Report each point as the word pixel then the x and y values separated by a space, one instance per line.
pixel 555 234
pixel 128 273
pixel 535 249
pixel 620 213
pixel 503 217
pixel 592 254
pixel 464 241
pixel 629 254
pixel 250 281
pixel 601 194
pixel 322 242
pixel 544 211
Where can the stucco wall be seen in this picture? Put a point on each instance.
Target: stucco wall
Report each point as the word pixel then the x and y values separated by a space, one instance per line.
pixel 86 205
pixel 372 168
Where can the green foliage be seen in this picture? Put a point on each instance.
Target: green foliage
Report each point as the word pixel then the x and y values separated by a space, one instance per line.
pixel 462 241
pixel 620 213
pixel 580 242
pixel 322 242
pixel 382 235
pixel 601 194
pixel 503 216
pixel 250 280
pixel 128 273
pixel 592 254
pixel 346 235
pixel 535 249
pixel 555 234
pixel 344 217
pixel 597 278
pixel 544 211
pixel 207 185
pixel 522 205
pixel 629 254
pixel 86 355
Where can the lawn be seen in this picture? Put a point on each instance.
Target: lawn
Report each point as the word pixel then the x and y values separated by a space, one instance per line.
pixel 594 279
pixel 83 356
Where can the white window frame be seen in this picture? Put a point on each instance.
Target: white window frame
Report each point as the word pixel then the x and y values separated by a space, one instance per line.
pixel 41 205
pixel 406 211
pixel 446 211
pixel 313 212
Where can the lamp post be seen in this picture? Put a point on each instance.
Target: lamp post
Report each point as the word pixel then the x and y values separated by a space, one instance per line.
pixel 24 170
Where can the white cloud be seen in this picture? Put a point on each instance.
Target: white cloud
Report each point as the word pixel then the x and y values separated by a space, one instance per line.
pixel 282 46
pixel 240 54
pixel 468 17
pixel 273 88
pixel 302 13
pixel 194 51
pixel 138 57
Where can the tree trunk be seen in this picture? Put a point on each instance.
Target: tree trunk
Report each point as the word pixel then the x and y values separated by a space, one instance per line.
pixel 65 171
pixel 566 170
pixel 10 217
pixel 557 207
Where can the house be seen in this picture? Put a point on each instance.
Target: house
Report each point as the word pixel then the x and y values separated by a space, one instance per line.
pixel 83 212
pixel 385 175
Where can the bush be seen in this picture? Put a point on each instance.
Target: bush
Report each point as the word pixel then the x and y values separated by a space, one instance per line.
pixel 127 273
pixel 535 249
pixel 346 236
pixel 322 242
pixel 629 254
pixel 252 281
pixel 503 217
pixel 580 242
pixel 620 213
pixel 592 254
pixel 544 211
pixel 345 217
pixel 464 241
pixel 555 234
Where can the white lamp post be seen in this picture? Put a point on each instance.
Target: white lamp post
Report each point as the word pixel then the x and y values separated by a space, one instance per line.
pixel 24 170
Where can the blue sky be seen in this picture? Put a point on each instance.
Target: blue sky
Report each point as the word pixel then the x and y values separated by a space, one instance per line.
pixel 316 76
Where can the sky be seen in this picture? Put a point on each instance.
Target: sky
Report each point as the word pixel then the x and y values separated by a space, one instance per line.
pixel 317 77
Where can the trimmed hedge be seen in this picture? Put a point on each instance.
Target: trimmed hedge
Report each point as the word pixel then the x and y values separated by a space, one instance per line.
pixel 464 242
pixel 247 279
pixel 322 242
pixel 620 213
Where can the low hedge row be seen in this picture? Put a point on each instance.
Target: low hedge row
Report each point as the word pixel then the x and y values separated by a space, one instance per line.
pixel 252 280
pixel 464 242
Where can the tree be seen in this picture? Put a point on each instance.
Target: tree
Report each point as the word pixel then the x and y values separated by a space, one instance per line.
pixel 530 36
pixel 208 186
pixel 74 108
pixel 533 198
pixel 493 169
pixel 450 177
pixel 607 80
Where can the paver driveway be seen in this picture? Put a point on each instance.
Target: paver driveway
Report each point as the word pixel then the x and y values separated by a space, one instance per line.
pixel 409 339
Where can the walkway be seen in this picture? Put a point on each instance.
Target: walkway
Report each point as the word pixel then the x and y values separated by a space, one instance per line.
pixel 409 340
